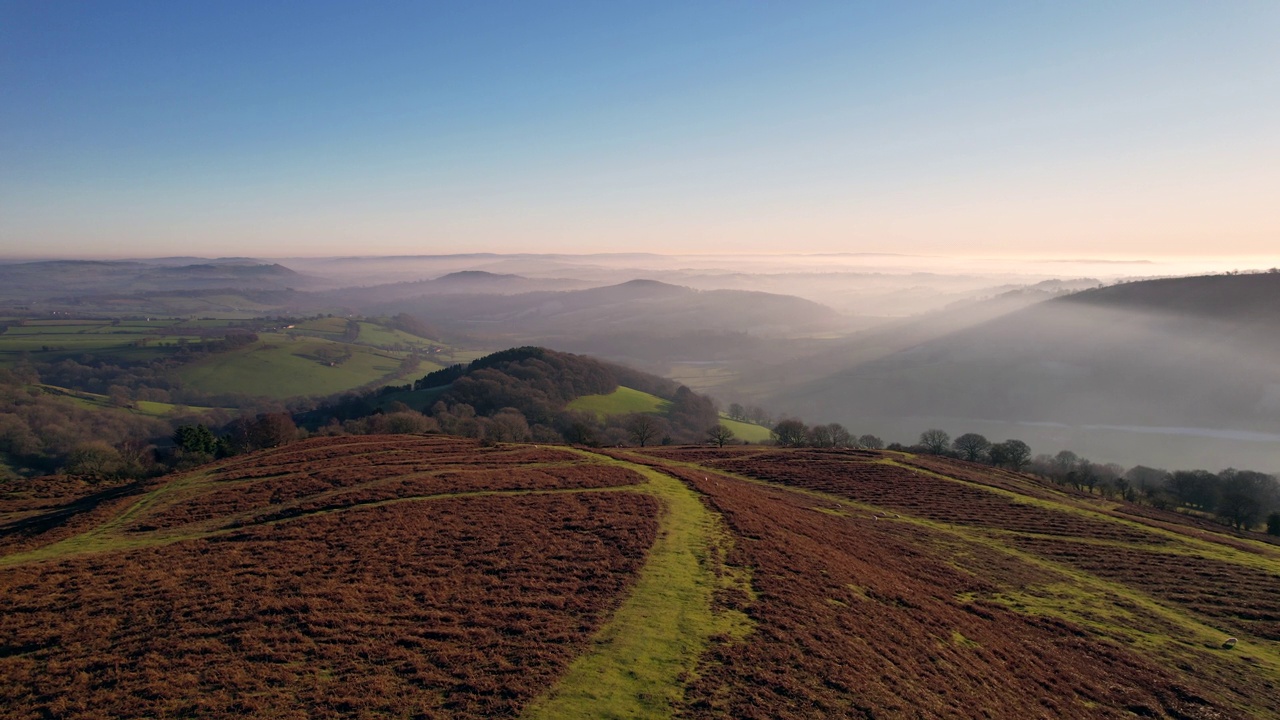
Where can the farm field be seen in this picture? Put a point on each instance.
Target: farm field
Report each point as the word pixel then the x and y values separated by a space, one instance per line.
pixel 49 339
pixel 749 432
pixel 312 357
pixel 279 367
pixel 428 576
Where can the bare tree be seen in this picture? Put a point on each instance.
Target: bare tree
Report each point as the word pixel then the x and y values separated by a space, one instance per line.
pixel 840 436
pixel 790 432
pixel 719 434
pixel 971 446
pixel 819 436
pixel 643 428
pixel 935 441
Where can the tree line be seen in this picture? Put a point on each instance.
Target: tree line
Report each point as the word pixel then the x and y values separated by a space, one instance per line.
pixel 1243 499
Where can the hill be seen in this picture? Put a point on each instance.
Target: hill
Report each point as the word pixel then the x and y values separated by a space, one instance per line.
pixel 634 306
pixel 429 576
pixel 46 280
pixel 462 282
pixel 1166 372
pixel 535 393
pixel 625 400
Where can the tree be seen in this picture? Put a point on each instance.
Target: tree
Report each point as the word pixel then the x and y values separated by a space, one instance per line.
pixel 508 425
pixel 935 441
pixel 273 430
pixel 790 432
pixel 643 428
pixel 840 436
pixel 971 446
pixel 1194 488
pixel 1273 523
pixel 94 458
pixel 1243 496
pixel 720 434
pixel 409 422
pixel 736 412
pixel 870 442
pixel 119 396
pixel 819 436
pixel 195 439
pixel 1013 454
pixel 1146 481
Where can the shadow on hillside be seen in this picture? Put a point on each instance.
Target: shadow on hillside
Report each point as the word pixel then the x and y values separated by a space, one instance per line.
pixel 46 521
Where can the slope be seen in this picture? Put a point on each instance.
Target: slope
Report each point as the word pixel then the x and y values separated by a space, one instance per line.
pixel 1167 362
pixel 399 575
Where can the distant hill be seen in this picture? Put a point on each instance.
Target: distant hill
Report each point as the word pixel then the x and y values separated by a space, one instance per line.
pixel 1193 355
pixel 66 279
pixel 635 305
pixel 463 282
pixel 431 576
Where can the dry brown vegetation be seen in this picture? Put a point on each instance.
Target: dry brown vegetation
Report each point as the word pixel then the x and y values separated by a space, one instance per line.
pixel 448 607
pixel 432 577
pixel 914 600
pixel 859 476
pixel 854 620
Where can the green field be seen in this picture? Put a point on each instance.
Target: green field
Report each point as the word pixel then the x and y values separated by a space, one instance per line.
pixel 277 367
pixel 139 407
pixel 383 336
pixel 625 400
pixel 620 402
pixel 51 340
pixel 749 432
pixel 307 359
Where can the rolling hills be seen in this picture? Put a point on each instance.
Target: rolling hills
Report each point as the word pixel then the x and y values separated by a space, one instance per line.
pixel 1176 371
pixel 633 306
pixel 428 576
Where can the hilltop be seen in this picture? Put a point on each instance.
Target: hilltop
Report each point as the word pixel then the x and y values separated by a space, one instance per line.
pixel 535 393
pixel 429 576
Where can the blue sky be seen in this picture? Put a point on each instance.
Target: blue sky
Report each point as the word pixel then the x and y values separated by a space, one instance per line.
pixel 1116 129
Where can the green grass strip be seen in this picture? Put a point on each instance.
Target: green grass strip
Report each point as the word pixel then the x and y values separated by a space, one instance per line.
pixel 648 650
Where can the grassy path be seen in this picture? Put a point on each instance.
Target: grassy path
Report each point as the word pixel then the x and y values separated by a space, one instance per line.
pixel 645 653
pixel 639 662
pixel 1079 596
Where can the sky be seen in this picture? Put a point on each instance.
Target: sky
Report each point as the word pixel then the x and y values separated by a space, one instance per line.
pixel 1112 130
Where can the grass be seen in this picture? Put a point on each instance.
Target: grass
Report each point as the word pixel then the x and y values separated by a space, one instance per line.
pixel 94 401
pixel 277 367
pixel 645 652
pixel 620 402
pixel 749 432
pixel 383 336
pixel 624 400
pixel 66 339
